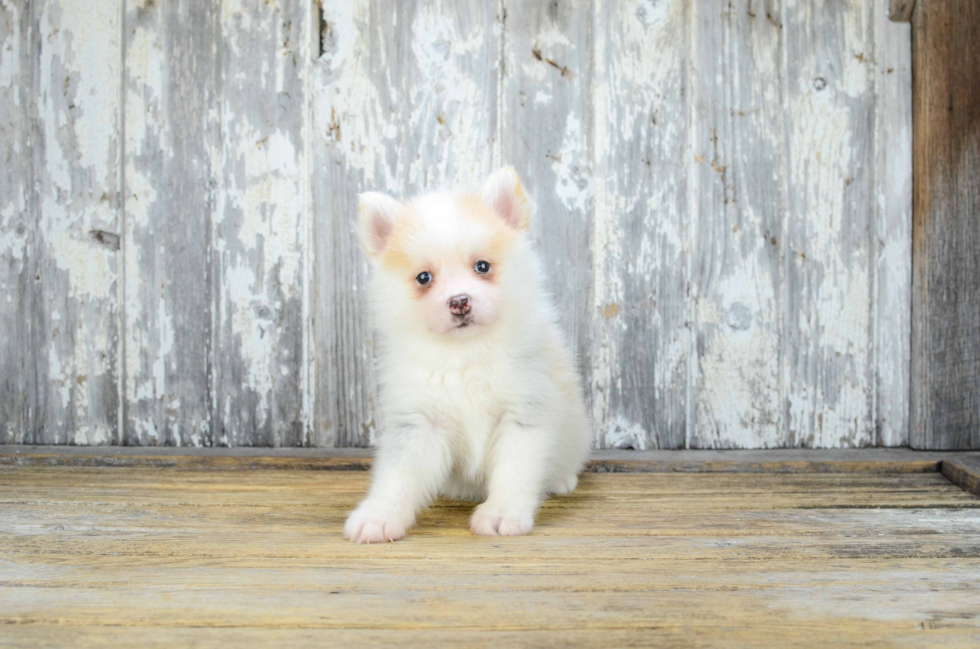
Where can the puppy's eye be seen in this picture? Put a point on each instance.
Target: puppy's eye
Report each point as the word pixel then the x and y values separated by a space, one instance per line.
pixel 423 278
pixel 482 267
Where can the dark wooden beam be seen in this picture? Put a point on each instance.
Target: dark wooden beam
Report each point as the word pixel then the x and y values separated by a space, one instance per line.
pixel 945 406
pixel 964 471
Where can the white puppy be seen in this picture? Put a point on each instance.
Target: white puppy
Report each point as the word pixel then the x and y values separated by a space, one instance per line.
pixel 480 399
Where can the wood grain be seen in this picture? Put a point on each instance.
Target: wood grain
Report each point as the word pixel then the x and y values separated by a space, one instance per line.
pixel 546 89
pixel 829 224
pixel 740 199
pixel 18 391
pixel 205 557
pixel 831 632
pixel 892 298
pixel 167 245
pixel 350 116
pixel 76 157
pixel 260 226
pixel 945 406
pixel 642 246
pixel 964 471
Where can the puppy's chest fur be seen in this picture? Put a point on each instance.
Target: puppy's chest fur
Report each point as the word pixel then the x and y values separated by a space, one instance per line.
pixel 464 403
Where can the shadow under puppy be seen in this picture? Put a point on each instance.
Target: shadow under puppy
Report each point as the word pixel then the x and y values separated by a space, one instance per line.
pixel 480 399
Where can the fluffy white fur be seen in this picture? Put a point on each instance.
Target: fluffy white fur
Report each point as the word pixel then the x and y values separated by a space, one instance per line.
pixel 485 406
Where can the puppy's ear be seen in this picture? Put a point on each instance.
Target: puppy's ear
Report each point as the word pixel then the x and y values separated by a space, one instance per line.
pixel 376 216
pixel 503 192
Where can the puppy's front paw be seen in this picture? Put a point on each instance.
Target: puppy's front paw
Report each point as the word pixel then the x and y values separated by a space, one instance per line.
pixel 372 524
pixel 489 520
pixel 564 485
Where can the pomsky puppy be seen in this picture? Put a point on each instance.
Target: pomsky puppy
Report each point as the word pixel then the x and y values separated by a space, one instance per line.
pixel 480 399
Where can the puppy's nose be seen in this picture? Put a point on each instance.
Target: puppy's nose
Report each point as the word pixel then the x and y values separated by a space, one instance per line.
pixel 459 304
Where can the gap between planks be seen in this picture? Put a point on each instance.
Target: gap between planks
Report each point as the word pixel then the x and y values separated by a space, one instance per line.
pixel 963 469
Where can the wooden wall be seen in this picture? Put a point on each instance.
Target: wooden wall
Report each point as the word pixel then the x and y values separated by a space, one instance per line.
pixel 722 190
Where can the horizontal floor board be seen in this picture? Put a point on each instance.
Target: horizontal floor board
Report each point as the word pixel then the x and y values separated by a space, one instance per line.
pixel 194 556
pixel 834 632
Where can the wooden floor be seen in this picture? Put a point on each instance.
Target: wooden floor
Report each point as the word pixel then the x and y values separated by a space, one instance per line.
pixel 169 556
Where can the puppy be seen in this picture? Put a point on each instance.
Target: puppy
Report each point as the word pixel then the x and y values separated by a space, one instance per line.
pixel 480 399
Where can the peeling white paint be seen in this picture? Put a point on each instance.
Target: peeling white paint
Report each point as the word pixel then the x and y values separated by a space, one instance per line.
pixel 573 183
pixel 77 314
pixel 747 194
pixel 10 48
pixel 146 375
pixel 349 110
pixel 830 384
pixel 13 241
pixel 893 231
pixel 620 433
pixel 259 224
pixel 639 179
pixel 165 353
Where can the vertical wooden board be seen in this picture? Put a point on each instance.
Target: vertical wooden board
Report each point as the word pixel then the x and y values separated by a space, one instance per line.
pixel 946 238
pixel 76 246
pixel 739 201
pixel 16 225
pixel 405 100
pixel 260 225
pixel 168 84
pixel 827 345
pixel 547 91
pixel 893 227
pixel 642 224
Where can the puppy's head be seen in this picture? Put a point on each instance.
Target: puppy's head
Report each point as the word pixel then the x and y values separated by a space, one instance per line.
pixel 446 261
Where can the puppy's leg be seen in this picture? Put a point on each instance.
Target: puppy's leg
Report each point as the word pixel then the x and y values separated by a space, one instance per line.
pixel 412 463
pixel 517 474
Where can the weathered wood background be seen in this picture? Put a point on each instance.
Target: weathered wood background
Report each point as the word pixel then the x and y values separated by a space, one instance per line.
pixel 722 189
pixel 945 410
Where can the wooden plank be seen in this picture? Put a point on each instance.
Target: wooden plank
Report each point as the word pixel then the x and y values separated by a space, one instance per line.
pixel 739 187
pixel 59 486
pixel 76 159
pixel 945 407
pixel 206 557
pixel 546 90
pixel 829 228
pixel 893 229
pixel 901 10
pixel 242 458
pixel 169 81
pixel 405 101
pixel 17 223
pixel 831 633
pixel 765 462
pixel 261 230
pixel 680 500
pixel 232 459
pixel 194 462
pixel 964 471
pixel 641 244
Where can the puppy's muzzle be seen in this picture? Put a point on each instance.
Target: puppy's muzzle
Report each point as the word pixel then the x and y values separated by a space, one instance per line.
pixel 459 304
